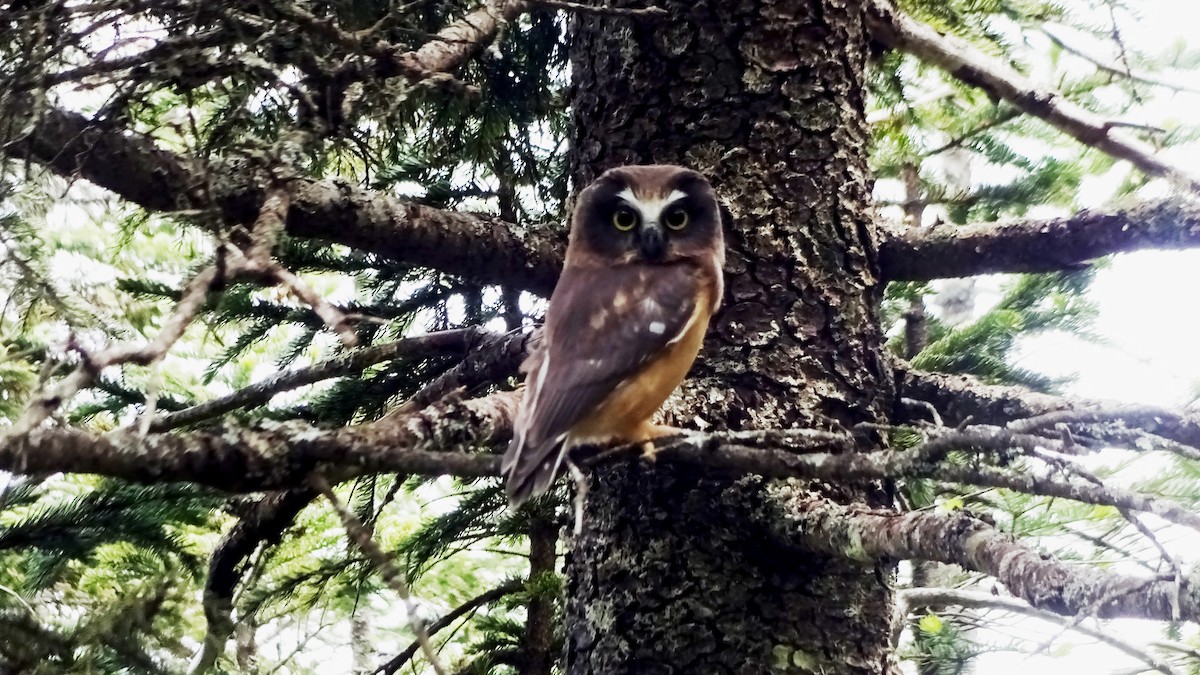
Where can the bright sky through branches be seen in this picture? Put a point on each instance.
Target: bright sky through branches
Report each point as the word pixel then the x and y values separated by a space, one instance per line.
pixel 1150 319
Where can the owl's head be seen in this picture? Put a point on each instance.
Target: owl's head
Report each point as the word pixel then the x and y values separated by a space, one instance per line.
pixel 653 214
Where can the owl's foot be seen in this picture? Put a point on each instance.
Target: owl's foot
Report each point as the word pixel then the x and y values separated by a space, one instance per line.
pixel 653 434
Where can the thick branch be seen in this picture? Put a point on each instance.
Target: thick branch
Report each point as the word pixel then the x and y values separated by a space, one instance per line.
pixel 473 246
pixel 959 398
pixel 491 250
pixel 1042 581
pixel 1038 245
pixel 286 455
pixel 280 455
pixel 455 43
pixel 973 67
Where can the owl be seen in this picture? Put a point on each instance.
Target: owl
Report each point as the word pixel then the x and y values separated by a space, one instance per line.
pixel 625 322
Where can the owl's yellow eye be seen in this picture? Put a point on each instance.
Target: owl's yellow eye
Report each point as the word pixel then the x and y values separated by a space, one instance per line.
pixel 676 218
pixel 624 220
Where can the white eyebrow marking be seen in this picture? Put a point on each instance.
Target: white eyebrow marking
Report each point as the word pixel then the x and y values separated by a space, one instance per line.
pixel 650 209
pixel 658 327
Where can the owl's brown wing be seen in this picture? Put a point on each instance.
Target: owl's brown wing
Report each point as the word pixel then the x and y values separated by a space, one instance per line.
pixel 601 327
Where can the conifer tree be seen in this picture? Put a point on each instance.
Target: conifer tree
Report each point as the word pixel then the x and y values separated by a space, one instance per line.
pixel 270 268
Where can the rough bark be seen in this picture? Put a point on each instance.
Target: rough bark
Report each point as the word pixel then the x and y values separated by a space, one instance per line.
pixel 455 43
pixel 276 456
pixel 764 97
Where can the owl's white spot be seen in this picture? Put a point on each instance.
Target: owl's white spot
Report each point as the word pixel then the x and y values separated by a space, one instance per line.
pixel 650 305
pixel 658 327
pixel 599 320
pixel 620 300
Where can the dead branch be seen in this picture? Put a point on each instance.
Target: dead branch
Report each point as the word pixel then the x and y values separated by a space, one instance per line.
pixel 946 251
pixel 1119 71
pixel 445 621
pixel 455 43
pixel 959 398
pixel 826 457
pixel 605 10
pixel 1044 582
pixel 492 361
pixel 259 262
pixel 975 68
pixel 47 401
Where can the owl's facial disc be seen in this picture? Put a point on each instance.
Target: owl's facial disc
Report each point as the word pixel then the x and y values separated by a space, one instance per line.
pixel 651 239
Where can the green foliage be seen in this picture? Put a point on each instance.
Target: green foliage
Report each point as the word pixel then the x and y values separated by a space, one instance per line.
pixel 1031 304
pixel 940 648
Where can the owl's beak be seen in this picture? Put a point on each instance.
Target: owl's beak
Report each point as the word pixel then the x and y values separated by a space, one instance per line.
pixel 651 242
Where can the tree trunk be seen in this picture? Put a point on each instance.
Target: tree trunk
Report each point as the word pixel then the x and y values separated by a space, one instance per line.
pixel 539 657
pixel 674 572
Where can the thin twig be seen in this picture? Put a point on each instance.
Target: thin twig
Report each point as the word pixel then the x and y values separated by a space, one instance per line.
pixel 272 218
pixel 397 662
pixel 386 567
pixel 921 598
pixel 970 65
pixel 606 10
pixel 51 397
pixel 1124 72
pixel 441 342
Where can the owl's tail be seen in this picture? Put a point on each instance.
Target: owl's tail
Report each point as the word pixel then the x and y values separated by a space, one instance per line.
pixel 530 471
